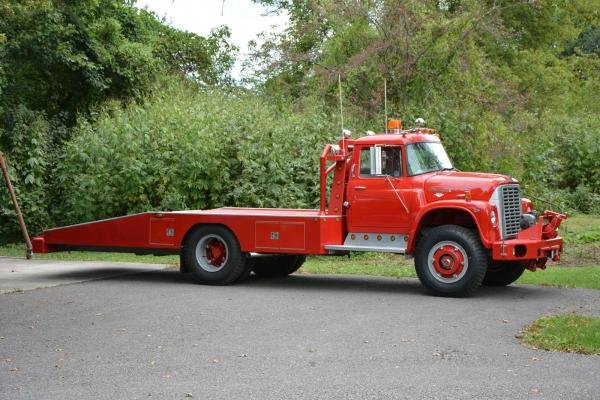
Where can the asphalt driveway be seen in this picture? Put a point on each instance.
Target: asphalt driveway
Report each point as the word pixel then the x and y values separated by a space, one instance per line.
pixel 158 335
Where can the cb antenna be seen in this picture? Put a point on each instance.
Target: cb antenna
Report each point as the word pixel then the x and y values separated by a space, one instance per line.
pixel 341 104
pixel 385 104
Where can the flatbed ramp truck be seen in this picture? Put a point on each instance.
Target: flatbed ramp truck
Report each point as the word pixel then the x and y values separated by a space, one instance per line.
pixel 394 192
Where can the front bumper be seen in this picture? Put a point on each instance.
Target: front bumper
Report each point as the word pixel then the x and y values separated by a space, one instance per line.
pixel 533 246
pixel 527 249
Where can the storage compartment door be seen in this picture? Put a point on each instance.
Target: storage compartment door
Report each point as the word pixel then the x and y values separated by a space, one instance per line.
pixel 267 235
pixel 293 236
pixel 162 231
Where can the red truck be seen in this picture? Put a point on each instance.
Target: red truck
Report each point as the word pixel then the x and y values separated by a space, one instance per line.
pixel 395 192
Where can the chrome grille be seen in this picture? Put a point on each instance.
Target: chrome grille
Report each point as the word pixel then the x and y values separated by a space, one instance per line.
pixel 510 210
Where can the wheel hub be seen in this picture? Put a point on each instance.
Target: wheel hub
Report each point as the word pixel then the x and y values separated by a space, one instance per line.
pixel 212 253
pixel 447 262
pixel 216 252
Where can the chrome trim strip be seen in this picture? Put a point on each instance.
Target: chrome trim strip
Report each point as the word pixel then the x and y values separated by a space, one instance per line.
pixel 342 247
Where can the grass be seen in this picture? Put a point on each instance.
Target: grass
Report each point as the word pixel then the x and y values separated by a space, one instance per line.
pixel 570 333
pixel 18 250
pixel 573 277
pixel 582 240
pixel 377 264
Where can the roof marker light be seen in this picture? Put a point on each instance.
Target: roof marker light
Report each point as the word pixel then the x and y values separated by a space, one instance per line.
pixel 394 126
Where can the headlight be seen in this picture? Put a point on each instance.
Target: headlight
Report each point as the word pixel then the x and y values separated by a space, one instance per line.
pixel 527 220
pixel 493 217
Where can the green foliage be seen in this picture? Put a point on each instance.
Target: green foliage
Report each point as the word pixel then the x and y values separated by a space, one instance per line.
pixel 60 60
pixel 581 160
pixel 582 199
pixel 588 42
pixel 189 148
pixel 29 139
pixel 64 57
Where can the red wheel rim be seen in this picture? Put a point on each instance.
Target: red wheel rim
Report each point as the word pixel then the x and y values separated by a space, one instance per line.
pixel 216 253
pixel 447 261
pixel 212 253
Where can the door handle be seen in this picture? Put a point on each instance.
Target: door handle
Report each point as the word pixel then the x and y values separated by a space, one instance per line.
pixel 360 187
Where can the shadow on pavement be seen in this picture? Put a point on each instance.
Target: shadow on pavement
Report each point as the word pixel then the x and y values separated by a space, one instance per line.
pixel 308 282
pixel 119 273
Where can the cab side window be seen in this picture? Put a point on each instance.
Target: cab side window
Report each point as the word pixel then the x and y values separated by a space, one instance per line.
pixel 380 161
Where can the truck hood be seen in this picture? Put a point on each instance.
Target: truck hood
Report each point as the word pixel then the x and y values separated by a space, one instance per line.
pixel 451 185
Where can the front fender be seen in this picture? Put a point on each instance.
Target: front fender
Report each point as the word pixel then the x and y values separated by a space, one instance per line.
pixel 478 210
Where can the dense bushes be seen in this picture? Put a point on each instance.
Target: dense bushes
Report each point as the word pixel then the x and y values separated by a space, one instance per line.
pixel 61 60
pixel 187 148
pixel 29 139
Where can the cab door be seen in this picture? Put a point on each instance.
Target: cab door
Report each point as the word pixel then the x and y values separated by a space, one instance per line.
pixel 374 192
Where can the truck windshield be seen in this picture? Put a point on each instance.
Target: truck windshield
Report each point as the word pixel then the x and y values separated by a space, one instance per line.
pixel 426 157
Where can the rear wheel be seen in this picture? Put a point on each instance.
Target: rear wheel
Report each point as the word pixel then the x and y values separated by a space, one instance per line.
pixel 183 268
pixel 212 254
pixel 503 273
pixel 451 261
pixel 277 266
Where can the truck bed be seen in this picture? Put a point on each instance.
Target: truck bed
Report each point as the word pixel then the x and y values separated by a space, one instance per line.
pixel 260 230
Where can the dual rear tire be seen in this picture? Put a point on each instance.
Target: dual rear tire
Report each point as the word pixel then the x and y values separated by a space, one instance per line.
pixel 277 266
pixel 213 255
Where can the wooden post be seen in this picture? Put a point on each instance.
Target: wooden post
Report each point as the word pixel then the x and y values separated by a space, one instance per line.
pixel 13 197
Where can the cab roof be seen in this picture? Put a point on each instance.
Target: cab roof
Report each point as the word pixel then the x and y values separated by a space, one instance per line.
pixel 404 137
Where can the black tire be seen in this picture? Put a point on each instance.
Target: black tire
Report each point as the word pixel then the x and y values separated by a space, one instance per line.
pixel 277 266
pixel 451 261
pixel 246 272
pixel 212 254
pixel 503 273
pixel 183 268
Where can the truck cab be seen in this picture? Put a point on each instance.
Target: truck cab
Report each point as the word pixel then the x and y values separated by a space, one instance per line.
pixel 403 195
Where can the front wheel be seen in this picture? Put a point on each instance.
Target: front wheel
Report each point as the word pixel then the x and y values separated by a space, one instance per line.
pixel 212 254
pixel 503 273
pixel 451 261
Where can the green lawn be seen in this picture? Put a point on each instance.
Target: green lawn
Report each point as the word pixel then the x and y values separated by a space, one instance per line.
pixel 18 250
pixel 378 264
pixel 571 333
pixel 582 240
pixel 580 277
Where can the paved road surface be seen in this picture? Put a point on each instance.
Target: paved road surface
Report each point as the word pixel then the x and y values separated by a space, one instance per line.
pixel 157 335
pixel 18 274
